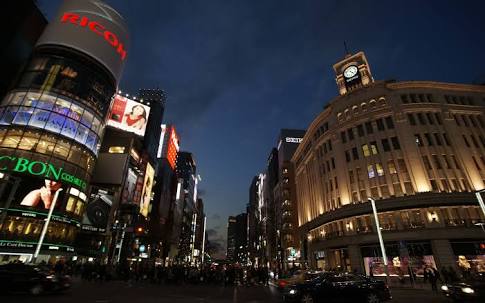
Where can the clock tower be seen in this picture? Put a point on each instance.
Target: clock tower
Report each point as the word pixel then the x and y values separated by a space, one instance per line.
pixel 352 72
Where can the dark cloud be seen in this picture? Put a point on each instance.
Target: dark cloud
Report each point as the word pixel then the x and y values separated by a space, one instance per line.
pixel 215 217
pixel 236 72
pixel 212 233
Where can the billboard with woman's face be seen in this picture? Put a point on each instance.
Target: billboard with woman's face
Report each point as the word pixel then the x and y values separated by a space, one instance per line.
pixel 147 190
pixel 129 115
pixel 37 195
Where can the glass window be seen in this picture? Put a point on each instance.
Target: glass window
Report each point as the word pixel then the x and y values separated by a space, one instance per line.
pixel 55 123
pixel 69 129
pixel 373 146
pixel 91 141
pixel 429 140
pixel 62 107
pixel 71 203
pixel 87 118
pixel 79 207
pixel 350 134
pixel 16 99
pixel 61 149
pixel 395 143
pixel 28 142
pixel 96 127
pixel 418 140
pixel 8 115
pixel 23 115
pixel 46 144
pixel 360 130
pixel 75 155
pixel 76 112
pixel 46 102
pixel 365 150
pixel 39 118
pixel 82 134
pixel 380 124
pixel 370 171
pixel 368 127
pixel 11 141
pixel 379 169
pixel 389 123
pixel 421 119
pixel 392 167
pixel 355 153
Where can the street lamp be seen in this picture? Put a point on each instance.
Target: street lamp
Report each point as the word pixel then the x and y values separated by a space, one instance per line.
pixel 480 200
pixel 381 241
pixel 46 224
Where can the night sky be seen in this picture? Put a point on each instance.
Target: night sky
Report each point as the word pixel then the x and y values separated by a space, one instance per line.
pixel 238 71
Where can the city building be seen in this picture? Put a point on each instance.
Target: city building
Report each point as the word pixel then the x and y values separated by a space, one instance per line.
pixel 25 25
pixel 51 124
pixel 418 149
pixel 165 189
pixel 285 200
pixel 237 239
pixel 199 232
pixel 183 216
pixel 253 236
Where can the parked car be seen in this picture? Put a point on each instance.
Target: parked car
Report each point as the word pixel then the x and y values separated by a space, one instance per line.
pixel 19 277
pixel 470 291
pixel 338 287
pixel 298 276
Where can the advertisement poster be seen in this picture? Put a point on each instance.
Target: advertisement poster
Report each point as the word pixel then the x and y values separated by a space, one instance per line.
pixel 38 194
pixel 129 188
pixel 147 190
pixel 129 115
pixel 97 211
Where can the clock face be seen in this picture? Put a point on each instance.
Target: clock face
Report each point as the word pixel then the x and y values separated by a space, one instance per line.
pixel 350 71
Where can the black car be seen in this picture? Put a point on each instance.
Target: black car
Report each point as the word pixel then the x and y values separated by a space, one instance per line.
pixel 469 291
pixel 338 287
pixel 19 277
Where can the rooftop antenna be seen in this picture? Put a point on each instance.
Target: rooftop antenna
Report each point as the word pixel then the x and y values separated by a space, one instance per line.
pixel 347 53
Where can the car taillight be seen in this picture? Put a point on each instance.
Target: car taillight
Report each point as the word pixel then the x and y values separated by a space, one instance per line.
pixel 282 283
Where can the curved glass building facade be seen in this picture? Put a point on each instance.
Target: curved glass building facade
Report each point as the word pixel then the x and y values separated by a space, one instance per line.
pixel 51 127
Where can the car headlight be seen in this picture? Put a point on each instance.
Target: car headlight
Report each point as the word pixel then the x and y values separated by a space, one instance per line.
pixel 292 291
pixel 444 288
pixel 467 290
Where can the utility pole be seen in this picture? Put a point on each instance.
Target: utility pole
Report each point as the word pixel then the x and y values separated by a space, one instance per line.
pixel 381 241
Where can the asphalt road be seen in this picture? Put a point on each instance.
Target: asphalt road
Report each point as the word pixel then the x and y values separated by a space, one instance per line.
pixel 120 292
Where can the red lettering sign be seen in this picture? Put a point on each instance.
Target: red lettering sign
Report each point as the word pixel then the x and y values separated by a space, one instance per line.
pixel 98 29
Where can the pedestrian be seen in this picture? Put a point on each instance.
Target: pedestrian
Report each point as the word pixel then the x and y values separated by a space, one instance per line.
pixel 433 276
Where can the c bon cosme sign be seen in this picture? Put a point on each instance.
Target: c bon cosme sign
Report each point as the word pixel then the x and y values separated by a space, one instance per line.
pixel 39 168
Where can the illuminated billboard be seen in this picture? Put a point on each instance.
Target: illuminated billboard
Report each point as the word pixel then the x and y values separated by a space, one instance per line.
pixel 128 115
pixel 173 148
pixel 147 190
pixel 37 195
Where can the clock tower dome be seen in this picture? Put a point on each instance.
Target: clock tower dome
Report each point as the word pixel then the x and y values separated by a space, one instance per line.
pixel 352 72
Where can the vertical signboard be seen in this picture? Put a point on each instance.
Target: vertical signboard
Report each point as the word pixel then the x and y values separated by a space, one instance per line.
pixel 147 190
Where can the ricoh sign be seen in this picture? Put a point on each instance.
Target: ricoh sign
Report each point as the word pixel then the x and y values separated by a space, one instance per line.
pixel 91 27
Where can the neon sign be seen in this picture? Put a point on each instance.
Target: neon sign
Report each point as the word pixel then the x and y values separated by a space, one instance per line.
pixel 38 168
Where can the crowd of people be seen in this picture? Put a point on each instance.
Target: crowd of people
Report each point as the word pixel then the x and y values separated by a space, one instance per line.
pixel 144 272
